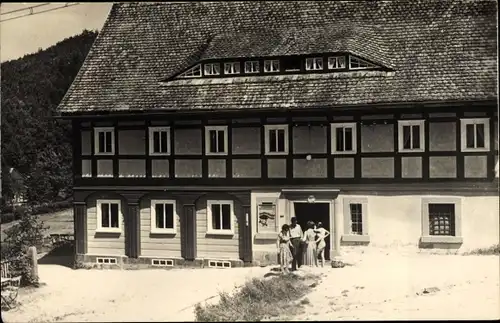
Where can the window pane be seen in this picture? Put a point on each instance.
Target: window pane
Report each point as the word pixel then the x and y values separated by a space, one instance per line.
pixel 406 137
pixel 164 142
pixel 105 215
pixel 114 215
pixel 309 64
pixel 236 67
pixel 281 140
pixel 108 142
pixel 415 136
pixel 101 142
pixel 272 140
pixel 226 216
pixel 169 216
pixel 480 135
pixel 339 134
pixel 159 210
pixel 220 141
pixel 213 141
pixel 216 224
pixel 156 142
pixel 348 139
pixel 469 133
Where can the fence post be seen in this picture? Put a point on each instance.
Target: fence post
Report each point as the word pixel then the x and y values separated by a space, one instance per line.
pixel 34 262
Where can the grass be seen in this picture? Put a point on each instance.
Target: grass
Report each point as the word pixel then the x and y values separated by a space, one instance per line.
pixel 259 299
pixel 493 250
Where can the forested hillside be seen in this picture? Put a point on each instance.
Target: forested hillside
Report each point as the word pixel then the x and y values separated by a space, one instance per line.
pixel 33 142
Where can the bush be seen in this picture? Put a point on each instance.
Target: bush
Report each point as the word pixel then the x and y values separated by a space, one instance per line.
pixel 493 250
pixel 257 299
pixel 29 232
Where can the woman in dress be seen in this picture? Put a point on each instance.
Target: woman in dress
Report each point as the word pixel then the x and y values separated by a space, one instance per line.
pixel 310 256
pixel 322 234
pixel 284 245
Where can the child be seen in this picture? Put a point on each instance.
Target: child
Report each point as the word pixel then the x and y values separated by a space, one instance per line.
pixel 284 245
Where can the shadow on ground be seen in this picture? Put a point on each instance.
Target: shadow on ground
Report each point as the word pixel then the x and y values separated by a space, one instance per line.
pixel 62 255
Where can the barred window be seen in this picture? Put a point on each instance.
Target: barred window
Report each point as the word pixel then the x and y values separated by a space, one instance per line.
pixel 442 219
pixel 356 218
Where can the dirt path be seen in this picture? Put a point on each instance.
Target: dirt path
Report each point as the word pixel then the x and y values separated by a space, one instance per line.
pixel 385 287
pixel 123 295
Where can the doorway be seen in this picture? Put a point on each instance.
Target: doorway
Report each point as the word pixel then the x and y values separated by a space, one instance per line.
pixel 316 212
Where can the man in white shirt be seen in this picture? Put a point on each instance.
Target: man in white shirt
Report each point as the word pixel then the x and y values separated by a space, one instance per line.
pixel 295 237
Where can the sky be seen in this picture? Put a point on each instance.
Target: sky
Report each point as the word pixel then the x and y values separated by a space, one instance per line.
pixel 26 35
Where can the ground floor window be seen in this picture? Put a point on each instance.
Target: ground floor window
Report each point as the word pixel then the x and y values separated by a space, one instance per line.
pixel 220 216
pixel 108 215
pixel 356 218
pixel 163 216
pixel 441 219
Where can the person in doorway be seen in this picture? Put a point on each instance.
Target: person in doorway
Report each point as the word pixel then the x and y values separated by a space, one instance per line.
pixel 322 233
pixel 310 255
pixel 296 238
pixel 284 245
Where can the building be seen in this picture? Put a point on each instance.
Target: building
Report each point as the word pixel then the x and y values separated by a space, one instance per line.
pixel 202 127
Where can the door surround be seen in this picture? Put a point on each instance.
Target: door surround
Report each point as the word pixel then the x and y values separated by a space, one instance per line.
pixel 327 196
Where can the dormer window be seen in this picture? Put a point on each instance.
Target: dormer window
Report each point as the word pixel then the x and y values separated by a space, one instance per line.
pixel 314 64
pixel 292 64
pixel 252 67
pixel 232 68
pixel 336 62
pixel 271 66
pixel 358 63
pixel 211 69
pixel 195 71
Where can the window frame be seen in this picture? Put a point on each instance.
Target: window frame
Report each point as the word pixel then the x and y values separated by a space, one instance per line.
pixel 267 145
pixel 336 59
pixel 333 132
pixel 253 71
pixel 232 64
pixel 370 65
pixel 212 231
pixel 314 59
pixel 425 219
pixel 348 236
pixel 271 61
pixel 151 132
pixel 156 230
pixel 212 68
pixel 207 140
pixel 99 227
pixel 411 123
pixel 190 71
pixel 98 130
pixel 463 134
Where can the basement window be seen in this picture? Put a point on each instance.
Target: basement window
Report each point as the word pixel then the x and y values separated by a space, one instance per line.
pixel 442 219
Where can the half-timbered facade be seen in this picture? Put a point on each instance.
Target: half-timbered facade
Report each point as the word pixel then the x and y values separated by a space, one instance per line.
pixel 201 128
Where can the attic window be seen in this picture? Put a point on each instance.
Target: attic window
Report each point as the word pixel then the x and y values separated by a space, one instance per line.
pixel 314 63
pixel 252 67
pixel 211 69
pixel 336 62
pixel 357 63
pixel 192 72
pixel 292 64
pixel 271 66
pixel 232 68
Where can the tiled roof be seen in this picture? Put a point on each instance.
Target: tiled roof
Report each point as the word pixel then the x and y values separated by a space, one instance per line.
pixel 438 50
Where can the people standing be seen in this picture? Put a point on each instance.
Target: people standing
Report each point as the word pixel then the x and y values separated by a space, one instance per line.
pixel 296 238
pixel 310 256
pixel 322 233
pixel 284 245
